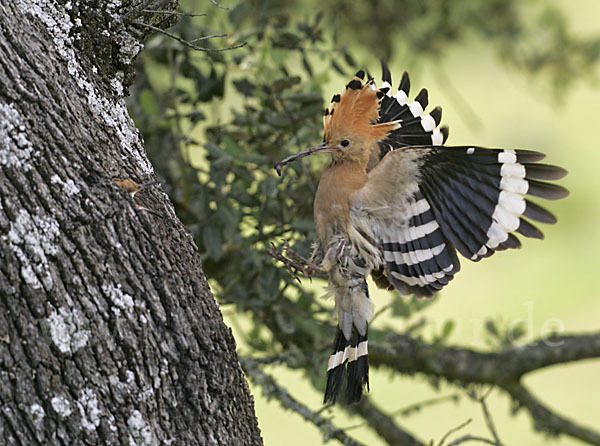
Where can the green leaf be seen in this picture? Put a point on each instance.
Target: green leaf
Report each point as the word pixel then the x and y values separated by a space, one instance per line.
pixel 269 187
pixel 337 68
pixel 279 121
pixel 239 13
pixel 287 40
pixel 230 219
pixel 254 158
pixel 306 65
pixel 348 58
pixel 447 329
pixel 211 239
pixel 303 225
pixel 148 103
pixel 245 87
pixel 305 98
pixel 284 83
pixel 214 150
pixel 318 17
pixel 196 116
pixel 518 331
pixel 400 308
pixel 420 303
pixel 491 328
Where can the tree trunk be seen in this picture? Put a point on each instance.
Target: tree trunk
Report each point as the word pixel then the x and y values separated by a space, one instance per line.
pixel 109 333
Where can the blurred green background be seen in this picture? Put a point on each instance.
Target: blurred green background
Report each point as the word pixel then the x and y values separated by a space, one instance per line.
pixel 490 97
pixel 549 284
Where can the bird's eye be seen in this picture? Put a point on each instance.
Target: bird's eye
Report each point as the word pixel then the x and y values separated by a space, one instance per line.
pixel 345 143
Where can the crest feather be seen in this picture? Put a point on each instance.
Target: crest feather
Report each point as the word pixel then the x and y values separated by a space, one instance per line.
pixel 356 112
pixel 384 118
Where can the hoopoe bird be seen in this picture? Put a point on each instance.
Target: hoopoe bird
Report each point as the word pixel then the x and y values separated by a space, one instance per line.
pixel 396 204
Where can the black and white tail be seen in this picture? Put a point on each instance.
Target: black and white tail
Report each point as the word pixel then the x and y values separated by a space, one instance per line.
pixel 348 365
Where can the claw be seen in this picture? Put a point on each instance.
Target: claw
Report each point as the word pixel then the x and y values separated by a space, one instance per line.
pixel 294 262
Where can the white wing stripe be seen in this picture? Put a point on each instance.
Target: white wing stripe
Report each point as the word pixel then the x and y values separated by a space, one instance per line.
pixel 420 207
pixel 419 280
pixel 511 203
pixel 508 221
pixel 517 185
pixel 401 97
pixel 512 170
pixel 507 156
pixel 437 138
pixel 413 257
pixel 428 123
pixel 386 84
pixel 496 235
pixel 415 108
pixel 416 232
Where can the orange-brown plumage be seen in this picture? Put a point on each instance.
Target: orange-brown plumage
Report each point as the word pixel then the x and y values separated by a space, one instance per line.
pixel 351 118
pixel 332 201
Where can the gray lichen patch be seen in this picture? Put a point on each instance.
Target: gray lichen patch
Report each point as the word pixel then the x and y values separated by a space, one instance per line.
pixel 106 109
pixel 139 432
pixel 32 239
pixel 69 187
pixel 88 409
pixel 61 406
pixel 66 330
pixel 15 147
pixel 129 47
pixel 120 300
pixel 38 414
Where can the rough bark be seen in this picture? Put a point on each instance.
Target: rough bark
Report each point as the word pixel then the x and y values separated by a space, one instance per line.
pixel 108 331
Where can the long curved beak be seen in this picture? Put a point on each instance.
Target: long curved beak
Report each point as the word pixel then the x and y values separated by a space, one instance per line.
pixel 321 148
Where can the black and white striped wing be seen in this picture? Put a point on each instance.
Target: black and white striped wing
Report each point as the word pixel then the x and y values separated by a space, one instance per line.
pixel 419 258
pixel 416 126
pixel 470 199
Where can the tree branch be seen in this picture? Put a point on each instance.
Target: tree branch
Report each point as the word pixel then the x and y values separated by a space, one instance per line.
pixel 488 420
pixel 409 355
pixel 547 421
pixel 503 369
pixel 383 424
pixel 465 366
pixel 453 430
pixel 220 6
pixel 467 438
pixel 189 43
pixel 273 390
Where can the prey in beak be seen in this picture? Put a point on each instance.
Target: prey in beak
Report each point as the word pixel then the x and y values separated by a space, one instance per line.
pixel 321 148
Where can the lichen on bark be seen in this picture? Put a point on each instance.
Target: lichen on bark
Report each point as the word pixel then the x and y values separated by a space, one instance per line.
pixel 108 331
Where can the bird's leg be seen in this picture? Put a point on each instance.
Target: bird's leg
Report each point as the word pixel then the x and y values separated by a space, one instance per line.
pixel 294 262
pixel 340 247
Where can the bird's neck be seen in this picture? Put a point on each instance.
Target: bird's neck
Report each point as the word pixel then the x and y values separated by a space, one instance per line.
pixel 332 202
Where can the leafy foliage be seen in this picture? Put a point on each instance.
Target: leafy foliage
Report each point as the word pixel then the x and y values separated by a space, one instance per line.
pixel 215 123
pixel 219 173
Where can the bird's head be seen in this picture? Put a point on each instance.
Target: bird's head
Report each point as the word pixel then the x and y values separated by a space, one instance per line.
pixel 350 124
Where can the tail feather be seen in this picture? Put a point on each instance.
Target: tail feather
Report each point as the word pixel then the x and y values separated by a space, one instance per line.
pixel 348 368
pixel 336 369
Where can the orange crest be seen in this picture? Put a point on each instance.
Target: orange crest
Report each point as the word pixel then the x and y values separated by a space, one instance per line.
pixel 355 113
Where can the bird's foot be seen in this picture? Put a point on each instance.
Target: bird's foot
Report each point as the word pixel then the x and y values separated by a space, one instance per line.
pixel 294 262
